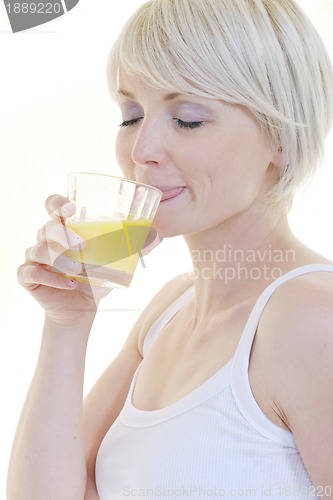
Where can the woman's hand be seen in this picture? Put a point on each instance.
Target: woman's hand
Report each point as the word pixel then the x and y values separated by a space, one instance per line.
pixel 44 274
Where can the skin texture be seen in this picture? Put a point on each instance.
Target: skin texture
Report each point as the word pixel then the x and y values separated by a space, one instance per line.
pixel 218 166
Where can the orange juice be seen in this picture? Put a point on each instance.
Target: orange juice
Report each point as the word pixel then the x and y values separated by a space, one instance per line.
pixel 111 245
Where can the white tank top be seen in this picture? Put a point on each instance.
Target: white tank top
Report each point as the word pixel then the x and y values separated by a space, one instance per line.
pixel 213 443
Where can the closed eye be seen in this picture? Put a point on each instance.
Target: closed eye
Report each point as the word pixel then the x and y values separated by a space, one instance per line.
pixel 180 123
pixel 127 123
pixel 184 124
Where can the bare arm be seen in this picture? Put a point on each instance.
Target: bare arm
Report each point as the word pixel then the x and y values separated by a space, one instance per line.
pixel 57 439
pixel 298 333
pixel 47 459
pixel 309 404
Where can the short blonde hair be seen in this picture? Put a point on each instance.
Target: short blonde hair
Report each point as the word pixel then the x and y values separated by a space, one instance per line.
pixel 263 54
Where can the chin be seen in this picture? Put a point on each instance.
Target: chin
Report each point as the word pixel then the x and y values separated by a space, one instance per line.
pixel 167 226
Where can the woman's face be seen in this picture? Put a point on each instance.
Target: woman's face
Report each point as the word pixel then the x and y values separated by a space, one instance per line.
pixel 211 159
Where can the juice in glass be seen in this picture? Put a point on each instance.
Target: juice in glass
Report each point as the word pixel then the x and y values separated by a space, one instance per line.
pixel 112 248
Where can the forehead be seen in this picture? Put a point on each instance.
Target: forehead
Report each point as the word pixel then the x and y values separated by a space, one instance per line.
pixel 128 82
pixel 132 86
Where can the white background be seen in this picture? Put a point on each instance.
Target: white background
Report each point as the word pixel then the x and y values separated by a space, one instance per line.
pixel 56 117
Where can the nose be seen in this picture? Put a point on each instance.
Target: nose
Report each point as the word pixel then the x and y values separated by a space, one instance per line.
pixel 149 143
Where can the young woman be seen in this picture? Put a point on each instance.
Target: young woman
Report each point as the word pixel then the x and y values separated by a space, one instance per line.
pixel 223 387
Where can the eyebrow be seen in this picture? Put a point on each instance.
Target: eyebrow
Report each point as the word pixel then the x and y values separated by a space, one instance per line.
pixel 168 97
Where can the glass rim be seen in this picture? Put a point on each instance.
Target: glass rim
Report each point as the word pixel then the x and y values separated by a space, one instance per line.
pixel 123 179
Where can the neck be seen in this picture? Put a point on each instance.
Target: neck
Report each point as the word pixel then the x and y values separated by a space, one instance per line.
pixel 232 265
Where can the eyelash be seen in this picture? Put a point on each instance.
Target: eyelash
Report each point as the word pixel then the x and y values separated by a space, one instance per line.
pixel 180 123
pixel 190 125
pixel 127 123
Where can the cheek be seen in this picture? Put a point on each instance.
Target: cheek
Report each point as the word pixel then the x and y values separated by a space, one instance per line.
pixel 230 167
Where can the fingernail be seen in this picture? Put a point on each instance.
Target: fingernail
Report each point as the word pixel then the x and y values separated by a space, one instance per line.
pixel 65 211
pixel 71 283
pixel 69 207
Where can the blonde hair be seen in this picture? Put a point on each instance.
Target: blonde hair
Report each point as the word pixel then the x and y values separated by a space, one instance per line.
pixel 263 54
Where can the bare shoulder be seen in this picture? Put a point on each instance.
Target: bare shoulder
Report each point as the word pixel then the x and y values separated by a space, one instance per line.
pixel 300 312
pixel 296 336
pixel 297 323
pixel 168 294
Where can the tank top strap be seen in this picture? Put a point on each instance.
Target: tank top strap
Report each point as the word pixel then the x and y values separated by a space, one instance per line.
pixel 165 317
pixel 245 345
pixel 240 363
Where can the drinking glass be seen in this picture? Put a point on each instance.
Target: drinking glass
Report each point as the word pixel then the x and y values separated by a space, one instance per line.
pixel 113 216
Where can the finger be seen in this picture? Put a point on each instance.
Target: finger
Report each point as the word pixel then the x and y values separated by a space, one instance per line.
pixel 54 232
pixel 31 276
pixel 54 256
pixel 59 207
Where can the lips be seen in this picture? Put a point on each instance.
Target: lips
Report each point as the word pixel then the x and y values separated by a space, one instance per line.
pixel 171 192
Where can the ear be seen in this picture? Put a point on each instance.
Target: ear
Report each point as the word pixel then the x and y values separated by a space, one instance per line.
pixel 278 159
